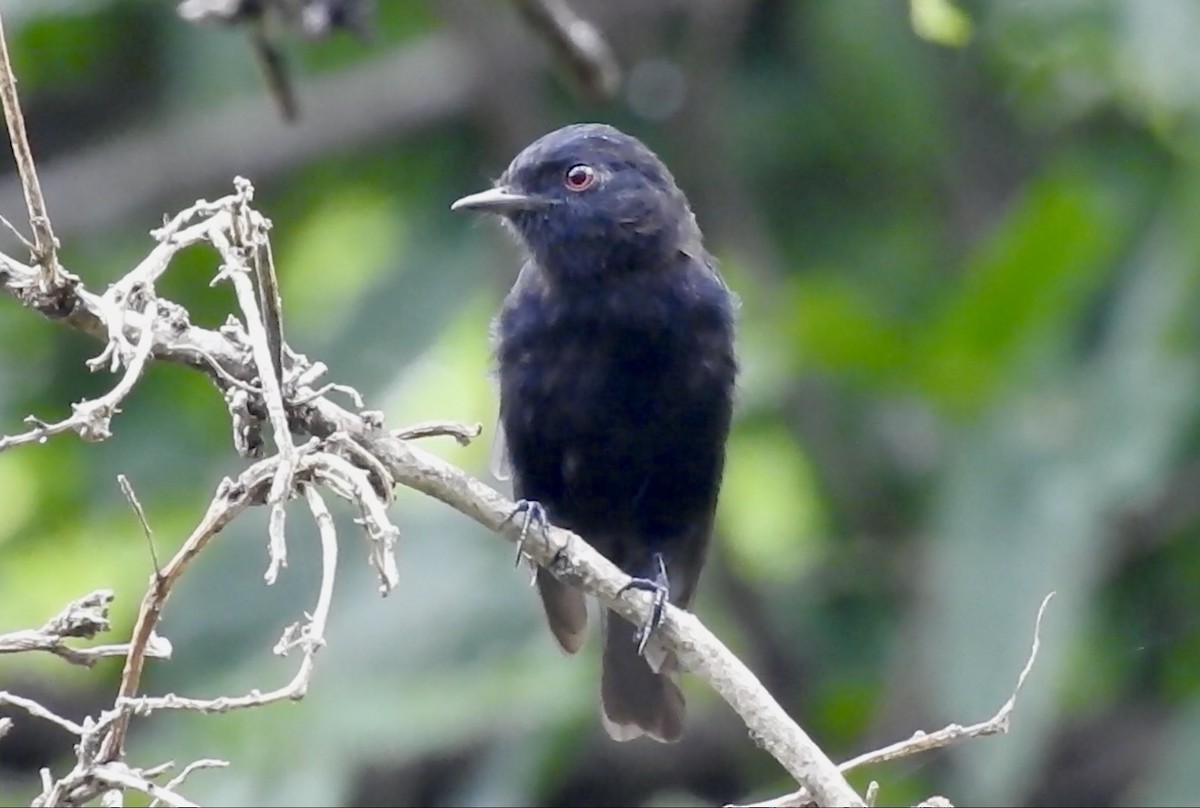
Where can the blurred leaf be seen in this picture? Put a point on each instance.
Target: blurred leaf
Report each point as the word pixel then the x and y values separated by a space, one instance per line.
pixel 840 329
pixel 344 244
pixel 940 21
pixel 1023 290
pixel 769 503
pixel 20 489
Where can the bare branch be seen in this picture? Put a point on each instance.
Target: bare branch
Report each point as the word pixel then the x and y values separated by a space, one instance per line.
pixel 85 618
pixel 121 776
pixel 248 238
pixel 196 765
pixel 576 562
pixel 462 433
pixel 131 497
pixel 309 638
pixel 232 498
pixel 920 742
pixel 998 724
pixel 91 419
pixel 45 246
pixel 352 483
pixel 38 711
pixel 576 42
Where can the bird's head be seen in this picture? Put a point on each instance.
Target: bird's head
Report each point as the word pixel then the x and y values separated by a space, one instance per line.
pixel 590 202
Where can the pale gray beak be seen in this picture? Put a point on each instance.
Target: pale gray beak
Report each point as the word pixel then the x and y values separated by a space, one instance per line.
pixel 496 200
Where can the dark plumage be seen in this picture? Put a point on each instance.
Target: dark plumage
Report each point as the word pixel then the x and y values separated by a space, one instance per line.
pixel 615 358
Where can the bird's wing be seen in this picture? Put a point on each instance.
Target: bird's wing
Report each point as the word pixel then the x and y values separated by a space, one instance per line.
pixel 499 463
pixel 529 280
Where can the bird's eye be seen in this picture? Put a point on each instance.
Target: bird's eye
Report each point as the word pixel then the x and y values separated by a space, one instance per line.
pixel 579 178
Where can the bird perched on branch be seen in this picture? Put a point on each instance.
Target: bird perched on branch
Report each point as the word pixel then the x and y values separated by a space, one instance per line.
pixel 616 366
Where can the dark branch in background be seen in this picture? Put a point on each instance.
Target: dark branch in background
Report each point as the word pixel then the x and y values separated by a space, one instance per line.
pixel 269 20
pixel 573 40
pixel 578 44
pixel 434 79
pixel 142 170
pixel 271 61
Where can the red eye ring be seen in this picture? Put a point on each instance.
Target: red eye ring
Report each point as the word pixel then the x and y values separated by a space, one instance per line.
pixel 579 177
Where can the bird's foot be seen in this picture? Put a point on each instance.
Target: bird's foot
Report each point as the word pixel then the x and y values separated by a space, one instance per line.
pixel 534 515
pixel 660 588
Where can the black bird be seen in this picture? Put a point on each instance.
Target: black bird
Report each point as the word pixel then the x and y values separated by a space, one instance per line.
pixel 616 365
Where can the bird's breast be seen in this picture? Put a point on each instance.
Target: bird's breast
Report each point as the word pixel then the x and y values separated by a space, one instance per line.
pixel 616 405
pixel 613 352
pixel 617 366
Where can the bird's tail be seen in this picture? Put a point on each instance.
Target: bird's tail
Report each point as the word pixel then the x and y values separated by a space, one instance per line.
pixel 566 611
pixel 634 699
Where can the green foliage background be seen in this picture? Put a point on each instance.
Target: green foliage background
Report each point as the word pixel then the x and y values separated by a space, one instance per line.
pixel 965 238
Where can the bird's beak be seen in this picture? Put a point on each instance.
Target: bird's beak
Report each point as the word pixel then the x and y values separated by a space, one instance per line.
pixel 496 200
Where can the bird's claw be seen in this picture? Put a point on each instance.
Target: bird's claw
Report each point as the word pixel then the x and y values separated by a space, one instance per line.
pixel 534 514
pixel 660 588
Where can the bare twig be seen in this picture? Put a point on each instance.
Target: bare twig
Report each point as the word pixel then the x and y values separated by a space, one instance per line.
pixel 998 724
pixel 352 483
pixel 121 776
pixel 91 419
pixel 38 711
pixel 88 780
pixel 232 498
pixel 131 497
pixel 84 618
pixel 270 303
pixel 463 433
pixel 45 252
pixel 248 236
pixel 920 742
pixel 310 638
pixel 172 237
pixel 195 766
